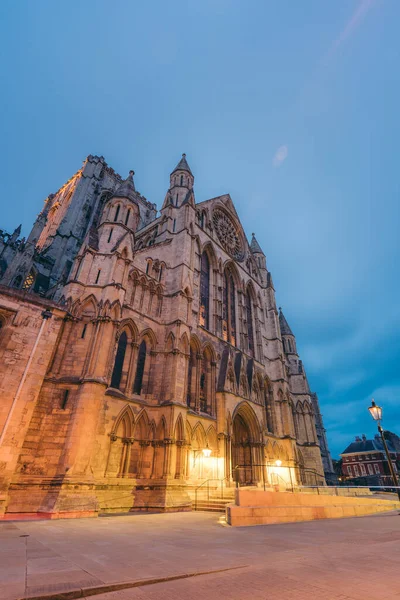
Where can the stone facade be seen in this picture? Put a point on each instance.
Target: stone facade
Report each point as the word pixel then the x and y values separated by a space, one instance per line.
pixel 146 355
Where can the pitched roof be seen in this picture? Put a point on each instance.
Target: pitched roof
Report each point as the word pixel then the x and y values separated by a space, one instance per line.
pixel 284 325
pixel 364 445
pixel 255 246
pixel 127 188
pixel 182 165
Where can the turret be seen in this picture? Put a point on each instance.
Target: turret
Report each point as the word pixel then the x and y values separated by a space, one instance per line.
pixel 259 257
pixel 181 183
pixel 16 234
pixel 120 215
pixel 288 339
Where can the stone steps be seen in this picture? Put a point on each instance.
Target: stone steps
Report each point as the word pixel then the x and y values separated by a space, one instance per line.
pixel 214 504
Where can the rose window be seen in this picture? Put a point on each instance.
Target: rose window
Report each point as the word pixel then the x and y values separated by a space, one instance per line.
pixel 228 234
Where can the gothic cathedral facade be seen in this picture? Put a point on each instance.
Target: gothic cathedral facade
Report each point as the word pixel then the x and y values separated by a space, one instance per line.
pixel 144 354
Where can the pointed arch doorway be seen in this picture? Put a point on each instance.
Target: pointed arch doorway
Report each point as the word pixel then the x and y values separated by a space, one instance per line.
pixel 246 444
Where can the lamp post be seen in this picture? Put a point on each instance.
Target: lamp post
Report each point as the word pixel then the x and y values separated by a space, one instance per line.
pixel 376 414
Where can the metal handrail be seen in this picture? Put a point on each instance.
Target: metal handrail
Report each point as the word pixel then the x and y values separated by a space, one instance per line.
pixel 207 481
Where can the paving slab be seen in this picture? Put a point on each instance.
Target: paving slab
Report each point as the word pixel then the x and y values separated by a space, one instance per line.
pixel 330 559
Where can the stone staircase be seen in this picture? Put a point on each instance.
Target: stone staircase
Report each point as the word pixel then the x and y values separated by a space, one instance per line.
pixel 212 500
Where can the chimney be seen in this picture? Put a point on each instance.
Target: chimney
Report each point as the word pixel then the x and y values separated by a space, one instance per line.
pixel 358 439
pixel 364 437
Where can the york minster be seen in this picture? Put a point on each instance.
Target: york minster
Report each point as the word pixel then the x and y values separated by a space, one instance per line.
pixel 143 354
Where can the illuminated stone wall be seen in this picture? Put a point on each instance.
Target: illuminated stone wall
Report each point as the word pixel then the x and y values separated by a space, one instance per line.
pixel 137 382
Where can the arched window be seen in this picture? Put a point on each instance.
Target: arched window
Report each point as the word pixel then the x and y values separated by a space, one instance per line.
pixel 203 385
pixel 205 291
pixel 119 361
pixel 110 235
pixel 137 386
pixel 269 408
pixel 181 179
pixel 29 281
pixel 160 273
pixel 249 319
pixel 117 212
pixel 127 216
pixel 190 399
pixel 229 309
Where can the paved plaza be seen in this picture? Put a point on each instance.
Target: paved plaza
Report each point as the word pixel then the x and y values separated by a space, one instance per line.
pixel 350 559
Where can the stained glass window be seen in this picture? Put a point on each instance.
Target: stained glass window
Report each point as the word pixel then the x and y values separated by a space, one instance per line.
pixel 232 310
pixel 249 319
pixel 203 385
pixel 190 378
pixel 229 309
pixel 29 281
pixel 205 291
pixel 119 361
pixel 137 386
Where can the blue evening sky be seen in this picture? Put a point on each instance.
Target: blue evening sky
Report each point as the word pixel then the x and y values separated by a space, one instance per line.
pixel 292 107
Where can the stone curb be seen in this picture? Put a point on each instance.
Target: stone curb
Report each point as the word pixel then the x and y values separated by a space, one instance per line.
pixel 115 587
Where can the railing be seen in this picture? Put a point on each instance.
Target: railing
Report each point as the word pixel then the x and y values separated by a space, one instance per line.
pixel 302 471
pixel 206 486
pixel 387 489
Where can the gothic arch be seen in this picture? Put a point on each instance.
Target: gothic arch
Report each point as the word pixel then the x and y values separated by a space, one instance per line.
pixel 211 439
pixel 198 439
pixel 149 335
pixel 195 343
pixel 208 248
pixel 126 420
pixel 131 329
pixel 209 350
pixel 184 344
pixel 142 426
pixel 170 342
pixel 179 431
pixel 230 265
pixel 245 410
pixel 161 429
pixel 89 306
pixel 116 310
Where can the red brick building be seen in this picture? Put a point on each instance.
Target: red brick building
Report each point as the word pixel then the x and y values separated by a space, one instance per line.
pixel 367 458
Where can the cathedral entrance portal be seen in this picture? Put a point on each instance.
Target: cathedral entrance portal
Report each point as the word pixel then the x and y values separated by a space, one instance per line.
pixel 242 455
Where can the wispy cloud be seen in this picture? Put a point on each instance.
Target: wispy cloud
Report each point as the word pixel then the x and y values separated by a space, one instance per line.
pixel 280 156
pixel 358 15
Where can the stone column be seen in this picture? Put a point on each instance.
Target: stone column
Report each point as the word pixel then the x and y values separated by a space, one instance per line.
pixel 128 444
pixel 167 456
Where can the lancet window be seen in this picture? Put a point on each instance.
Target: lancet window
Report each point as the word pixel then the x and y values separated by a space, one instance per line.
pixel 190 396
pixel 229 309
pixel 205 291
pixel 249 319
pixel 119 361
pixel 137 386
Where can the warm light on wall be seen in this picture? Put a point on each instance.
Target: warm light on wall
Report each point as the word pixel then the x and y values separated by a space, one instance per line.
pixel 278 463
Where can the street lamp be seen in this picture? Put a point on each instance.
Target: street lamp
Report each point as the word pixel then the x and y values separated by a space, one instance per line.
pixel 376 414
pixel 278 463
